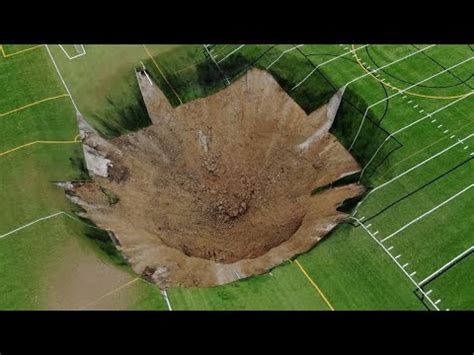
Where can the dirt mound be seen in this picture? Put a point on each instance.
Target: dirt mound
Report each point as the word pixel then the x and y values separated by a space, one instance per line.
pixel 220 188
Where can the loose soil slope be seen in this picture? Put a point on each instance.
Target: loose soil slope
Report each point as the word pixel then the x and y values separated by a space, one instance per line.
pixel 220 188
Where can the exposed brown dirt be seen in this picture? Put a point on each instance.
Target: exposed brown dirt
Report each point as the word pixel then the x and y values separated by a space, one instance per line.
pixel 219 188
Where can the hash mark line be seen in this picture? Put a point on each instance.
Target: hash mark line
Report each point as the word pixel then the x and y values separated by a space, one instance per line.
pixel 408 92
pixel 163 75
pixel 398 256
pixel 228 55
pixel 282 54
pixel 438 301
pixel 413 273
pixel 315 285
pixel 61 77
pixel 33 104
pixel 429 292
pixel 427 213
pixel 447 265
pixel 412 124
pixel 399 93
pixel 390 248
pixel 386 65
pixel 396 262
pixel 324 63
pixel 460 141
pixel 405 265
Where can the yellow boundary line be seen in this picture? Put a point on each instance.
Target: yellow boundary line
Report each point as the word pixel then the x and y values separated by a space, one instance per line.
pixel 33 104
pixel 405 92
pixel 163 75
pixel 76 140
pixel 315 285
pixel 111 292
pixel 20 51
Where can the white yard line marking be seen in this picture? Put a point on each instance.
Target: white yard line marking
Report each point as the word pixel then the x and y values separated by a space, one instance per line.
pixel 438 301
pixel 427 213
pixel 390 248
pixel 43 219
pixel 376 232
pixel 146 74
pixel 228 55
pixel 75 56
pixel 446 131
pixel 165 296
pixel 61 77
pixel 324 63
pixel 282 54
pixel 447 265
pixel 217 65
pixel 413 273
pixel 410 125
pixel 387 65
pixel 396 262
pixel 460 141
pixel 398 256
pixel 369 225
pixel 399 93
pixel 29 224
pixel 429 292
pixel 405 265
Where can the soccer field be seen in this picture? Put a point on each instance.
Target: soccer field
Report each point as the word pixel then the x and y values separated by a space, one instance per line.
pixel 406 116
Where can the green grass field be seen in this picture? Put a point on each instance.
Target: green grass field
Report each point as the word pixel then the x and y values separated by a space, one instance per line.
pixel 414 143
pixel 47 264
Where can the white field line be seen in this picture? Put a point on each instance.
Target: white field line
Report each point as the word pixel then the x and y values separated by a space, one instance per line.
pixel 396 262
pixel 61 77
pixel 460 141
pixel 43 219
pixel 75 56
pixel 217 65
pixel 146 74
pixel 282 54
pixel 412 124
pixel 447 265
pixel 165 296
pixel 401 92
pixel 387 65
pixel 427 213
pixel 228 55
pixel 324 63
